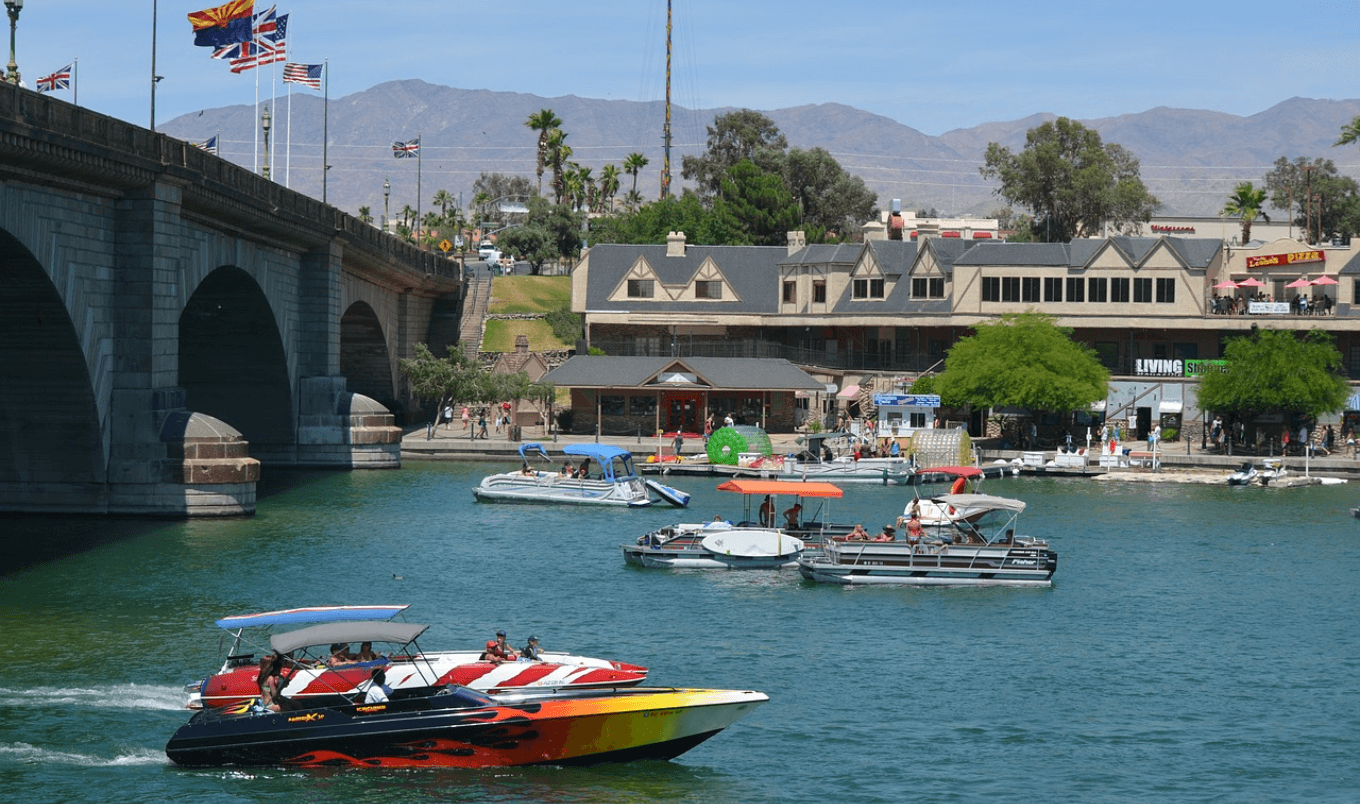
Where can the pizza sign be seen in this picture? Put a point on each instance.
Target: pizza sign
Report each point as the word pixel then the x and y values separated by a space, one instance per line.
pixel 1270 260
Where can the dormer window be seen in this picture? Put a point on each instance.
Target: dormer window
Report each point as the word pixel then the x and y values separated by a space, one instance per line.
pixel 641 288
pixel 867 289
pixel 708 289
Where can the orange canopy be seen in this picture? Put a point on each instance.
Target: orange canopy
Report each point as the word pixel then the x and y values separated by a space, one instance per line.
pixel 782 487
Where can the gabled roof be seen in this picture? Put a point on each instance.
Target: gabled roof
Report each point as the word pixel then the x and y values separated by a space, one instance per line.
pixel 716 373
pixel 1015 254
pixel 752 271
pixel 820 254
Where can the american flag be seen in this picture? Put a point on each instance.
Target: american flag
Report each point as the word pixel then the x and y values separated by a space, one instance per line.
pixel 209 145
pixel 309 74
pixel 406 150
pixel 267 46
pixel 61 79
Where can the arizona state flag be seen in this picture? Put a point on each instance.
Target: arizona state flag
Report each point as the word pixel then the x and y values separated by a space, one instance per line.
pixel 223 25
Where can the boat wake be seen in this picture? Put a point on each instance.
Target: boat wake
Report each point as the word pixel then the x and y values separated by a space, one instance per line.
pixel 25 754
pixel 112 696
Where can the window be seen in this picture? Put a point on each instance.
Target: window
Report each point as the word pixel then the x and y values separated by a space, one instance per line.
pixel 937 288
pixel 875 288
pixel 1166 291
pixel 790 292
pixel 641 406
pixel 1119 290
pixel 859 289
pixel 819 293
pixel 1096 289
pixel 1029 289
pixel 611 405
pixel 991 288
pixel 708 290
pixel 919 288
pixel 1010 289
pixel 1075 289
pixel 1053 289
pixel 1142 291
pixel 640 288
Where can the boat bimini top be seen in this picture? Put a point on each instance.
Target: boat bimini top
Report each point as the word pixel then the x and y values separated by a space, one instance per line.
pixel 312 614
pixel 345 633
pixel 605 455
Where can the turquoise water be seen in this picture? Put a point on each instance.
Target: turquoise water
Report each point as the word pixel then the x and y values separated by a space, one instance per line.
pixel 1199 644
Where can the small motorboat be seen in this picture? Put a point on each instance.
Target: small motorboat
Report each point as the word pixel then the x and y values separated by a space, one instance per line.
pixel 932 512
pixel 611 480
pixel 313 678
pixel 974 551
pixel 411 725
pixel 749 544
pixel 1244 475
pixel 829 457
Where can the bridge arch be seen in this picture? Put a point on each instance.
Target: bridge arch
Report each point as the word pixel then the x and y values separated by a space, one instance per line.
pixel 365 360
pixel 232 364
pixel 52 452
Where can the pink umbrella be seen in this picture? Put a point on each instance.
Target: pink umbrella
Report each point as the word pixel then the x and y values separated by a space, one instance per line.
pixel 1325 280
pixel 1299 283
pixel 1251 282
pixel 1225 284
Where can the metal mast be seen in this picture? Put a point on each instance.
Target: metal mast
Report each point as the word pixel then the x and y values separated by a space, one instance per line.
pixel 666 135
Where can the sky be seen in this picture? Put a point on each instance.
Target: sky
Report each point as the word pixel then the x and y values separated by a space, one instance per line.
pixel 931 66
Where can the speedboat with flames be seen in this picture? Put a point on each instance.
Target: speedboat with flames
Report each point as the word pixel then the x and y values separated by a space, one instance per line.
pixel 436 725
pixel 611 481
pixel 311 677
pixel 749 544
pixel 976 549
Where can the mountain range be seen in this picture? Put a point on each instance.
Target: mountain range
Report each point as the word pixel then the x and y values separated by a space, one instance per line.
pixel 1190 158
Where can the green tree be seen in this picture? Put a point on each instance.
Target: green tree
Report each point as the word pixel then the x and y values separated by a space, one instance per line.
pixel 452 380
pixel 1323 197
pixel 543 121
pixel 366 215
pixel 633 165
pixel 531 242
pixel 1271 371
pixel 443 199
pixel 1349 133
pixel 759 203
pixel 550 232
pixel 1246 202
pixel 650 223
pixel 609 186
pixel 1074 183
pixel 733 137
pixel 1023 360
pixel 827 196
pixel 559 156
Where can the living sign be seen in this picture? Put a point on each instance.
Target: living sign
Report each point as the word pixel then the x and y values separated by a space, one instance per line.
pixel 1158 367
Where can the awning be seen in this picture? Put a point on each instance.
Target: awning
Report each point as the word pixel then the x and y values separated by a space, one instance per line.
pixel 1353 403
pixel 849 391
pixel 1169 406
pixel 981 235
pixel 799 488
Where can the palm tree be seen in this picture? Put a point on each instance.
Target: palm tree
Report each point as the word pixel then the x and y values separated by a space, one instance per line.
pixel 586 190
pixel 633 199
pixel 559 153
pixel 1349 133
pixel 544 122
pixel 1245 203
pixel 479 201
pixel 633 165
pixel 609 184
pixel 366 215
pixel 442 199
pixel 408 216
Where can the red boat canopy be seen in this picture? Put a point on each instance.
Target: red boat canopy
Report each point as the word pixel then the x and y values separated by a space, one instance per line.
pixel 953 471
pixel 799 488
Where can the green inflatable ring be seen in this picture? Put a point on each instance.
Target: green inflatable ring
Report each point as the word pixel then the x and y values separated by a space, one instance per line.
pixel 725 446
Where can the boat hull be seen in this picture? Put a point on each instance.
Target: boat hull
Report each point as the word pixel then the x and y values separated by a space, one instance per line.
pixel 661 558
pixel 556 490
pixel 453 731
pixel 899 563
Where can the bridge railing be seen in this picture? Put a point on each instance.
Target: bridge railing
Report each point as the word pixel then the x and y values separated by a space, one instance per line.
pixel 40 130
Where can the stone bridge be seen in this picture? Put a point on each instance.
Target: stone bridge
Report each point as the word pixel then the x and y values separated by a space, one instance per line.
pixel 169 321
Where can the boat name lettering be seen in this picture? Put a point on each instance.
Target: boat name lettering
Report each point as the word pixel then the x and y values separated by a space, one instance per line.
pixel 370 709
pixel 310 716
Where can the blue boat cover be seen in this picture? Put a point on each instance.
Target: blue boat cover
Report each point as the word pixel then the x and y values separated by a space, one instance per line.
pixel 314 614
pixel 600 452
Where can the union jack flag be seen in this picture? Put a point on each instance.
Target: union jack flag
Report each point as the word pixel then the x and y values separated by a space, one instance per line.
pixel 406 150
pixel 61 79
pixel 267 46
pixel 309 74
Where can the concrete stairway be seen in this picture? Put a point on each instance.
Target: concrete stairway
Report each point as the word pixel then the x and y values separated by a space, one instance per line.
pixel 474 314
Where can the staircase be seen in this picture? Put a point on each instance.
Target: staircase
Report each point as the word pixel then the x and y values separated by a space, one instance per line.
pixel 475 304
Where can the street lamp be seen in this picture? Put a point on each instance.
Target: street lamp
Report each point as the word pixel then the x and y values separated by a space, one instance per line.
pixel 387 193
pixel 13 7
pixel 265 122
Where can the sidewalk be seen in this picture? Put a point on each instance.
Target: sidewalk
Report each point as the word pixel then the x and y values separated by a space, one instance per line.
pixel 453 444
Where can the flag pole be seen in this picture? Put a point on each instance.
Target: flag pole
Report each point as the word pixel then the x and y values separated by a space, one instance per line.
pixel 153 65
pixel 75 83
pixel 325 122
pixel 255 123
pixel 288 156
pixel 420 147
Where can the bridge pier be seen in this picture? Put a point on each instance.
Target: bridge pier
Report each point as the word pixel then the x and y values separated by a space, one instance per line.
pixel 343 429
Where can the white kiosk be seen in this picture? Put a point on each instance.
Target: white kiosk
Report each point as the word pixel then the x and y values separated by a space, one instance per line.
pixel 904 414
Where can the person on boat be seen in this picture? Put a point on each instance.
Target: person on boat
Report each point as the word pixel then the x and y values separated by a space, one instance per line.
pixel 718 523
pixel 914 530
pixel 271 683
pixel 889 534
pixel 378 691
pixel 340 655
pixel 498 650
pixel 525 470
pixel 584 472
pixel 568 470
pixel 367 654
pixel 767 512
pixel 859 534
pixel 792 515
pixel 531 652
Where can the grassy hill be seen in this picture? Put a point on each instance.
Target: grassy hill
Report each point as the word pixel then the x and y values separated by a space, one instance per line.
pixel 525 294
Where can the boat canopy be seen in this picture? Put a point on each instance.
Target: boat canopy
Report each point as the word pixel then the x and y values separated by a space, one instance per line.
pixel 313 614
pixel 962 501
pixel 526 449
pixel 801 489
pixel 602 453
pixel 330 633
pixel 968 472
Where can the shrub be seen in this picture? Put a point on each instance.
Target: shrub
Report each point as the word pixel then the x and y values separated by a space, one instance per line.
pixel 565 324
pixel 565 420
